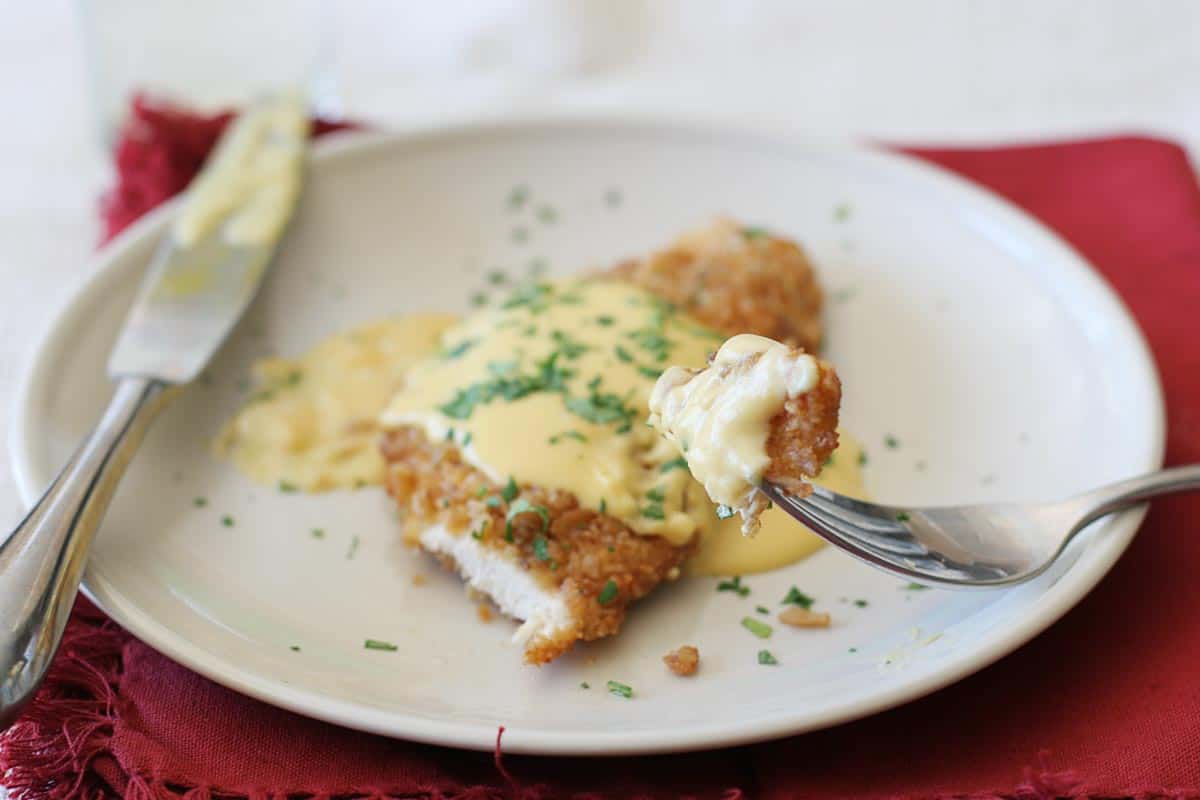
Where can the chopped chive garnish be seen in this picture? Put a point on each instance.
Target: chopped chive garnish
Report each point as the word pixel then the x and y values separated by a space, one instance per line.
pixel 584 685
pixel 724 511
pixel 497 278
pixel 674 463
pixel 200 502
pixel 861 603
pixel 795 597
pixel 479 299
pixel 227 521
pixel 605 320
pixel 523 506
pixel 466 440
pixel 762 609
pixel 576 435
pixel 891 441
pixel 541 549
pixel 353 548
pixel 654 511
pixel 902 517
pixel 650 372
pixel 655 494
pixel 623 354
pixel 765 657
pixel 450 434
pixel 295 648
pixel 734 584
pixel 294 377
pixel 608 593
pixel 914 587
pixel 318 533
pixel 760 629
pixel 494 501
pixel 518 197
pixel 509 492
pixel 755 233
pixel 288 487
pixel 478 533
pixel 620 689
pixel 853 650
pixel 862 458
pixel 377 644
pixel 603 506
pixel 457 351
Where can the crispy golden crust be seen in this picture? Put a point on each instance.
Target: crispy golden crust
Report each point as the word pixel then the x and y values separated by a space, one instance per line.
pixel 579 553
pixel 737 280
pixel 683 661
pixel 804 433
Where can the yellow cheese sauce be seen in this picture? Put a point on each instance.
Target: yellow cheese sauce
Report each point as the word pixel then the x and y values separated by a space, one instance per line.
pixel 550 388
pixel 312 422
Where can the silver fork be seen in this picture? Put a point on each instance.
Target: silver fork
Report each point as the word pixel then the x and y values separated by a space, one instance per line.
pixel 966 547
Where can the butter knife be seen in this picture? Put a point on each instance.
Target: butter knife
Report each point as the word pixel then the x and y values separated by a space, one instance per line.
pixel 203 276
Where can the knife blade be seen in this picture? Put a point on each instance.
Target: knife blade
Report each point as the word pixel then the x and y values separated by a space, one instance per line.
pixel 202 277
pixel 211 262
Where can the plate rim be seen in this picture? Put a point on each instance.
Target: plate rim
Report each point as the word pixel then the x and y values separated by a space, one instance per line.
pixel 106 267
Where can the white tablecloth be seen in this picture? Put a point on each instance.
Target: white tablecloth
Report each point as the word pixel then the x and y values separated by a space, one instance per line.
pixel 922 71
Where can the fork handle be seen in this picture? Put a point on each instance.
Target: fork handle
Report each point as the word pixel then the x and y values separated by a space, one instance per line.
pixel 1115 496
pixel 42 560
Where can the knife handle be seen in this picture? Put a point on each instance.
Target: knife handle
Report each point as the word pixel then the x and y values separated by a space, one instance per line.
pixel 42 560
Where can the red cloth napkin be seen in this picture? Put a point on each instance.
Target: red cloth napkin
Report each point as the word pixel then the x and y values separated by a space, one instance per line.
pixel 1106 703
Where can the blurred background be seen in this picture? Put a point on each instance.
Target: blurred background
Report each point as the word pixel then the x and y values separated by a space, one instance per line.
pixel 922 71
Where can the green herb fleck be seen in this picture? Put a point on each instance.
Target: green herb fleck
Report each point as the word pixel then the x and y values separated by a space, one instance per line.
pixel 608 593
pixel 541 549
pixel 755 233
pixel 891 441
pixel 510 490
pixel 318 533
pixel 295 648
pixel 605 320
pixel 903 517
pixel 479 299
pixel 459 349
pixel 547 215
pixel 653 341
pixel 523 506
pixel 862 458
pixel 620 689
pixel 795 597
pixel 518 197
pixel 200 502
pixel 759 628
pixel 650 372
pixel 568 346
pixel 765 657
pixel 378 644
pixel 674 463
pixel 227 521
pixel 853 650
pixel 762 609
pixel 497 278
pixel 584 685
pixel 572 434
pixel 734 584
pixel 623 354
pixel 724 511
pixel 353 548
pixel 294 377
pixel 841 212
pixel 603 506
pixel 914 587
pixel 861 603
pixel 656 495
pixel 654 511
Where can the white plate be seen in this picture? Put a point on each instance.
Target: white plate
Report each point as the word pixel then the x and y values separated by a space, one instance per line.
pixel 1003 365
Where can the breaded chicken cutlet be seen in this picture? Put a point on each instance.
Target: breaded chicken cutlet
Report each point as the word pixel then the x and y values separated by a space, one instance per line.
pixel 566 566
